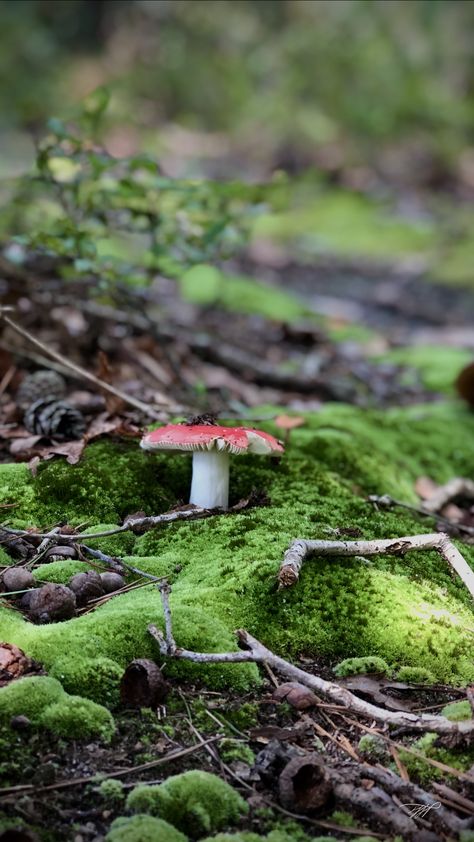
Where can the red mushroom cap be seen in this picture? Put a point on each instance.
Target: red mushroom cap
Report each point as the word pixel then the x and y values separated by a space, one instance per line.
pixel 207 437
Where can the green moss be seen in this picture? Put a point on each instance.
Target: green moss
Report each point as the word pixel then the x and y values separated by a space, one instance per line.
pixel 415 675
pixel 43 700
pixel 457 711
pixel 143 829
pixel 111 481
pixel 99 678
pixel 236 750
pixel 78 718
pixel 243 717
pixel 422 771
pixel 195 802
pixel 273 836
pixel 407 610
pixel 361 666
pixel 112 790
pixel 29 696
pixel 373 747
pixel 348 223
pixel 59 571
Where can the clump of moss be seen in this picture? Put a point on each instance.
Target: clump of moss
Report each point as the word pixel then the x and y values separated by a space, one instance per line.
pixel 45 703
pixel 29 696
pixel 195 802
pixel 90 489
pixel 373 747
pixel 112 790
pixel 98 678
pixel 142 828
pixel 236 750
pixel 457 711
pixel 415 675
pixel 361 666
pixel 78 718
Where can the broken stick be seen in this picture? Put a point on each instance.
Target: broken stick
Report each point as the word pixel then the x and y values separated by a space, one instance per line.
pixel 255 652
pixel 300 549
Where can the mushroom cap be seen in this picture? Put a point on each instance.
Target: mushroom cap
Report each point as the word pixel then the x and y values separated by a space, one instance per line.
pixel 235 440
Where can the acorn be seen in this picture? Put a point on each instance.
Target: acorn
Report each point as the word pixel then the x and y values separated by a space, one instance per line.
pixel 112 582
pixel 86 586
pixel 17 579
pixel 52 603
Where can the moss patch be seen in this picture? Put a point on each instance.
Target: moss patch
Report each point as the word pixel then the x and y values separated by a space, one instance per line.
pixel 143 829
pixel 45 703
pixel 195 802
pixel 410 611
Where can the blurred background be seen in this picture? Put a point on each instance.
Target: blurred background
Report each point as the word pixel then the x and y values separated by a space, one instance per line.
pixel 312 160
pixel 215 86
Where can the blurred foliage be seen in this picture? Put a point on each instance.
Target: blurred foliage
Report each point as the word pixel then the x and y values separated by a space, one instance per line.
pixel 121 220
pixel 347 78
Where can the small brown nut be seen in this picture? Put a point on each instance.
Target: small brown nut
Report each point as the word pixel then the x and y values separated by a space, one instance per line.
pixel 86 586
pixel 51 603
pixel 17 579
pixel 112 582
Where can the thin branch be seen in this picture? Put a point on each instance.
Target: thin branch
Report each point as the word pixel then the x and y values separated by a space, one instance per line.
pixel 256 652
pixel 138 524
pixel 82 372
pixel 300 549
pixel 118 565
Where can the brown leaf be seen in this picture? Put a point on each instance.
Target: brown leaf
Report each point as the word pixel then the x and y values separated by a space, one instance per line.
pixel 289 422
pixel 425 487
pixel 368 686
pixel 143 685
pixel 297 695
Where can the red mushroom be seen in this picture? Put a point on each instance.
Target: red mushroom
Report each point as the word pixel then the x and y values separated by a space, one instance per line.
pixel 211 446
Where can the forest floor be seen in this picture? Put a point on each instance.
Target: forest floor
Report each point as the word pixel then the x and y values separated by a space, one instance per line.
pixel 366 372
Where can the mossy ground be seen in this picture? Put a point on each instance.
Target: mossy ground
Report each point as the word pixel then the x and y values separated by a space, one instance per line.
pixel 410 611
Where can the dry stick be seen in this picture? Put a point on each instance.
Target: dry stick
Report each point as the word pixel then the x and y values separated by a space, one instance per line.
pixel 141 523
pixel 256 652
pixel 300 549
pixel 118 564
pixel 82 372
pixel 174 755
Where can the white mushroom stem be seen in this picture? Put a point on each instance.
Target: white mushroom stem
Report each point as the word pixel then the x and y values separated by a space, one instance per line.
pixel 210 483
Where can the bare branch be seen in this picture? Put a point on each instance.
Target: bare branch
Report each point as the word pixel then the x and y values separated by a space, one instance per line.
pixel 300 549
pixel 256 652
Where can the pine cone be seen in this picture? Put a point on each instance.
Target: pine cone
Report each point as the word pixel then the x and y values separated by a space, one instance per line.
pixel 41 384
pixel 54 418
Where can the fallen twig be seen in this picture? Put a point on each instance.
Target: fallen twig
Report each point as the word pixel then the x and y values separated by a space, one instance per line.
pixel 82 372
pixel 300 549
pixel 255 652
pixel 139 524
